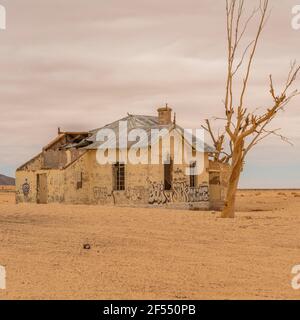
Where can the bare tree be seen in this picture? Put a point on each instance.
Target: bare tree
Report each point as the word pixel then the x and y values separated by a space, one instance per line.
pixel 243 128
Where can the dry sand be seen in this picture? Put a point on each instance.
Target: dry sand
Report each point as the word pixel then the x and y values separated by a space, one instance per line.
pixel 151 253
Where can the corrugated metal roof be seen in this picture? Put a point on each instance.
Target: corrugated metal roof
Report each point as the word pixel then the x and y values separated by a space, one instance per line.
pixel 147 123
pixel 133 122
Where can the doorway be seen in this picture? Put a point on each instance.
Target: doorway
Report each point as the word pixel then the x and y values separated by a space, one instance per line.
pixel 42 190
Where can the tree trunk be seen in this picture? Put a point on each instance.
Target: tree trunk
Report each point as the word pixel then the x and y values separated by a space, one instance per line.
pixel 233 182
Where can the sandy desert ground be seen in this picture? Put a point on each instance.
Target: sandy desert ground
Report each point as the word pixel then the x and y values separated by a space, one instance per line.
pixel 151 253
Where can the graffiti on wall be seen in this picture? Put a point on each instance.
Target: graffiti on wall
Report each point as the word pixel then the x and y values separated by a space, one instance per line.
pixel 26 188
pixel 181 192
pixel 133 194
pixel 136 194
pixel 178 172
pixel 199 194
pixel 157 195
pixel 100 194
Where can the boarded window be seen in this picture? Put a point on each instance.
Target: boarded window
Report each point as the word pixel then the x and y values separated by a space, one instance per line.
pixel 119 176
pixel 79 180
pixel 193 176
pixel 168 172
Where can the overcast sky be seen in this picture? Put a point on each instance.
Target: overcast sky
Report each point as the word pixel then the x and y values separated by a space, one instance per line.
pixel 80 64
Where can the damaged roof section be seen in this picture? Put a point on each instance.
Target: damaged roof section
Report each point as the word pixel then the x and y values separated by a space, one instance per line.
pixel 69 140
pixel 146 123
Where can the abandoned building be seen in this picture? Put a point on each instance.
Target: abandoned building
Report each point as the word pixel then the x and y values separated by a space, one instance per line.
pixel 67 171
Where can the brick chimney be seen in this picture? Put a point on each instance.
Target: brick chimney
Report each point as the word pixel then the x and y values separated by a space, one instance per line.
pixel 164 115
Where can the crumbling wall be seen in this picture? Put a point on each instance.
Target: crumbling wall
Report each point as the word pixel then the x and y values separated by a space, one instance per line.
pixel 57 158
pixel 144 185
pixel 33 164
pixel 25 186
pixel 85 181
pixel 181 193
pixel 219 175
pixel 27 189
pixel 54 159
pixel 56 180
pixel 101 181
pixel 77 181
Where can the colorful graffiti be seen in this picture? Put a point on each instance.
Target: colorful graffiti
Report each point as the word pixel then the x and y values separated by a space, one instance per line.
pixel 26 188
pixel 180 192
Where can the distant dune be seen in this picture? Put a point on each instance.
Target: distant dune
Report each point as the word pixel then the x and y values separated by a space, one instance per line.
pixel 6 181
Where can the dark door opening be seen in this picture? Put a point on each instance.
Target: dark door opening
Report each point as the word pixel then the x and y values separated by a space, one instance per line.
pixel 193 175
pixel 168 175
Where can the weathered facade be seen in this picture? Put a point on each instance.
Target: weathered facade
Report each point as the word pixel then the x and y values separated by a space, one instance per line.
pixel 68 171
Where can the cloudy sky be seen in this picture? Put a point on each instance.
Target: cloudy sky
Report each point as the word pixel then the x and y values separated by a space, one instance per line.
pixel 80 64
